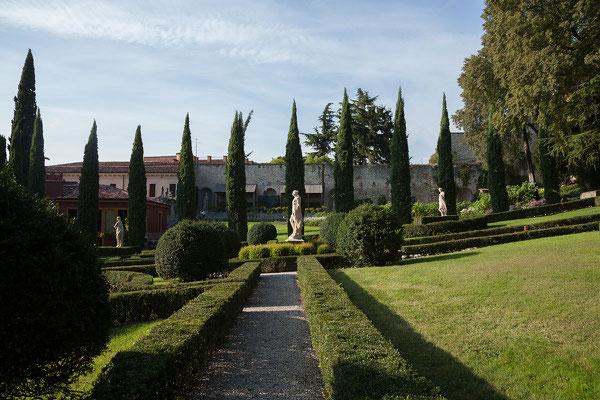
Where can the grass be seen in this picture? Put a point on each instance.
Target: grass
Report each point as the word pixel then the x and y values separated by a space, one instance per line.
pixel 282 234
pixel 519 320
pixel 568 214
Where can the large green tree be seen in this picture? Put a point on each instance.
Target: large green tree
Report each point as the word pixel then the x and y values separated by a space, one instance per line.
pixel 23 122
pixel 324 135
pixel 187 194
pixel 235 178
pixel 343 171
pixel 400 166
pixel 445 162
pixel 548 169
pixel 2 151
pixel 294 167
pixel 37 168
pixel 136 189
pixel 372 129
pixel 495 163
pixel 87 201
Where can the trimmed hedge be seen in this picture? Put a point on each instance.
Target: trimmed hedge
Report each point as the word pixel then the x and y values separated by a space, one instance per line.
pixel 439 228
pixel 144 269
pixel 356 361
pixel 541 210
pixel 260 251
pixel 109 251
pixel 329 227
pixel 333 261
pixel 119 281
pixel 278 264
pixel 129 262
pixel 437 218
pixel 169 358
pixel 261 233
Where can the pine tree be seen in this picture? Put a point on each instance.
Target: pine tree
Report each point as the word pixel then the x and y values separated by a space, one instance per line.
pixel 548 168
pixel 23 122
pixel 235 175
pixel 37 168
pixel 136 188
pixel 400 166
pixel 496 179
pixel 294 167
pixel 87 202
pixel 445 163
pixel 187 195
pixel 2 151
pixel 343 169
pixel 324 135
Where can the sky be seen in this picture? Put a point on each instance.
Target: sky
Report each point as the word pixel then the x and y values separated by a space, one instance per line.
pixel 148 62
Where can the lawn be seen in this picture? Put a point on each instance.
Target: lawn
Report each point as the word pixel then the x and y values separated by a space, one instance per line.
pixel 282 230
pixel 518 320
pixel 568 214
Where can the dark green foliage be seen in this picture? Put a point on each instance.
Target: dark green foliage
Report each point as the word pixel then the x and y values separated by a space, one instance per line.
pixel 400 166
pixel 329 227
pixel 120 281
pixel 54 314
pixel 229 237
pixel 235 179
pixel 538 211
pixel 324 135
pixel 117 251
pixel 278 264
pixel 261 233
pixel 343 169
pixel 87 201
pixel 23 122
pixel 190 251
pixel 547 168
pixel 369 235
pixel 445 163
pixel 37 169
pixel 356 361
pixel 129 262
pixel 294 167
pixel 438 228
pixel 496 182
pixel 136 188
pixel 144 269
pixel 420 220
pixel 187 194
pixel 2 151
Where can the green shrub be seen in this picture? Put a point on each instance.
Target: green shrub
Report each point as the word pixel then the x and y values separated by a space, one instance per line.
pixel 189 250
pixel 281 250
pixel 420 209
pixel 541 210
pixel 437 218
pixel 440 228
pixel 329 227
pixel 324 249
pixel 261 233
pixel 259 251
pixel 108 251
pixel 229 237
pixel 126 280
pixel 122 262
pixel 304 249
pixel 244 253
pixel 144 269
pixel 278 264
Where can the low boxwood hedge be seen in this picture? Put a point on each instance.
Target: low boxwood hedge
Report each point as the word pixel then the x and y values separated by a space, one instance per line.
pixel 444 227
pixel 109 251
pixel 144 269
pixel 437 218
pixel 541 210
pixel 278 264
pixel 356 361
pixel 127 280
pixel 129 261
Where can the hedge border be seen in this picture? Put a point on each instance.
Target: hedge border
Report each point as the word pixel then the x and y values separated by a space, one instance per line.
pixel 111 251
pixel 129 262
pixel 541 210
pixel 437 228
pixel 437 218
pixel 146 269
pixel 356 361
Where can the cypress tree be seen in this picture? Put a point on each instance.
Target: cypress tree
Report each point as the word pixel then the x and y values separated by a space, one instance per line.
pixel 37 168
pixel 343 172
pixel 235 175
pixel 2 151
pixel 445 163
pixel 548 168
pixel 496 182
pixel 294 167
pixel 136 188
pixel 400 166
pixel 87 202
pixel 23 122
pixel 187 195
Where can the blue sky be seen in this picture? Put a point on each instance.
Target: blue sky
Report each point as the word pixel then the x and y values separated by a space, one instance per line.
pixel 126 63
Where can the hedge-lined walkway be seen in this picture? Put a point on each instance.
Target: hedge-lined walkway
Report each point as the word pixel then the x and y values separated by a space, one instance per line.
pixel 268 353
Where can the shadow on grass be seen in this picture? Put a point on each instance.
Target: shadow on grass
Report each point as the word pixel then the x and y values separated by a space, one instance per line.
pixel 440 257
pixel 454 379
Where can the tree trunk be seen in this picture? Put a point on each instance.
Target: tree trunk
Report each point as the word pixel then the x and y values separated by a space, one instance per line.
pixel 530 167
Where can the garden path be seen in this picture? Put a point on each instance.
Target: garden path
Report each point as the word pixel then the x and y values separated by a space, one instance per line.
pixel 268 353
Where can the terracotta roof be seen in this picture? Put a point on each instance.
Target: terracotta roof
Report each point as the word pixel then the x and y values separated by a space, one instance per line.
pixel 105 192
pixel 108 167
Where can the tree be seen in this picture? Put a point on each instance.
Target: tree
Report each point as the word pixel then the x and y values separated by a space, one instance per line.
pixel 2 151
pixel 136 188
pixel 294 167
pixel 235 175
pixel 23 122
pixel 87 201
pixel 187 195
pixel 343 171
pixel 324 135
pixel 445 163
pixel 548 169
pixel 37 168
pixel 372 129
pixel 495 163
pixel 400 166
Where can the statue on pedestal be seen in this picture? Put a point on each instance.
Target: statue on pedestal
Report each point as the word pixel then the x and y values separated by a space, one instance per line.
pixel 119 229
pixel 296 219
pixel 442 203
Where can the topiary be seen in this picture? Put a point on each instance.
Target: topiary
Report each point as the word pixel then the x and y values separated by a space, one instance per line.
pixel 54 312
pixel 229 237
pixel 369 235
pixel 261 233
pixel 329 227
pixel 324 249
pixel 189 250
pixel 259 251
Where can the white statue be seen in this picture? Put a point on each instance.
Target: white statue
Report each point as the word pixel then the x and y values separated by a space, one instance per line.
pixel 119 228
pixel 296 219
pixel 442 203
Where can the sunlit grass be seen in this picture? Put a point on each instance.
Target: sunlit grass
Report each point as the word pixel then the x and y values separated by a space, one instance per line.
pixel 568 214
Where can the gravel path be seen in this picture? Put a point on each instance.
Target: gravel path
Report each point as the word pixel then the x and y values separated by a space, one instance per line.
pixel 268 353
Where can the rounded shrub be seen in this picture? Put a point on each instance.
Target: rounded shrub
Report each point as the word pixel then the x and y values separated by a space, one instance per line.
pixel 304 249
pixel 329 227
pixel 244 253
pixel 369 235
pixel 281 250
pixel 261 233
pixel 190 251
pixel 324 249
pixel 229 237
pixel 53 299
pixel 259 251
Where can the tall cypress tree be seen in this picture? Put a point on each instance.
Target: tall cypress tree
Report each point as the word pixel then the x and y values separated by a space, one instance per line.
pixel 343 171
pixel 136 188
pixel 187 194
pixel 2 151
pixel 294 167
pixel 87 202
pixel 445 163
pixel 496 178
pixel 548 168
pixel 235 175
pixel 400 166
pixel 37 168
pixel 23 122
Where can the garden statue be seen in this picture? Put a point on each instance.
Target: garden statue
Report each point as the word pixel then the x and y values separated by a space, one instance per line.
pixel 296 219
pixel 119 232
pixel 442 203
